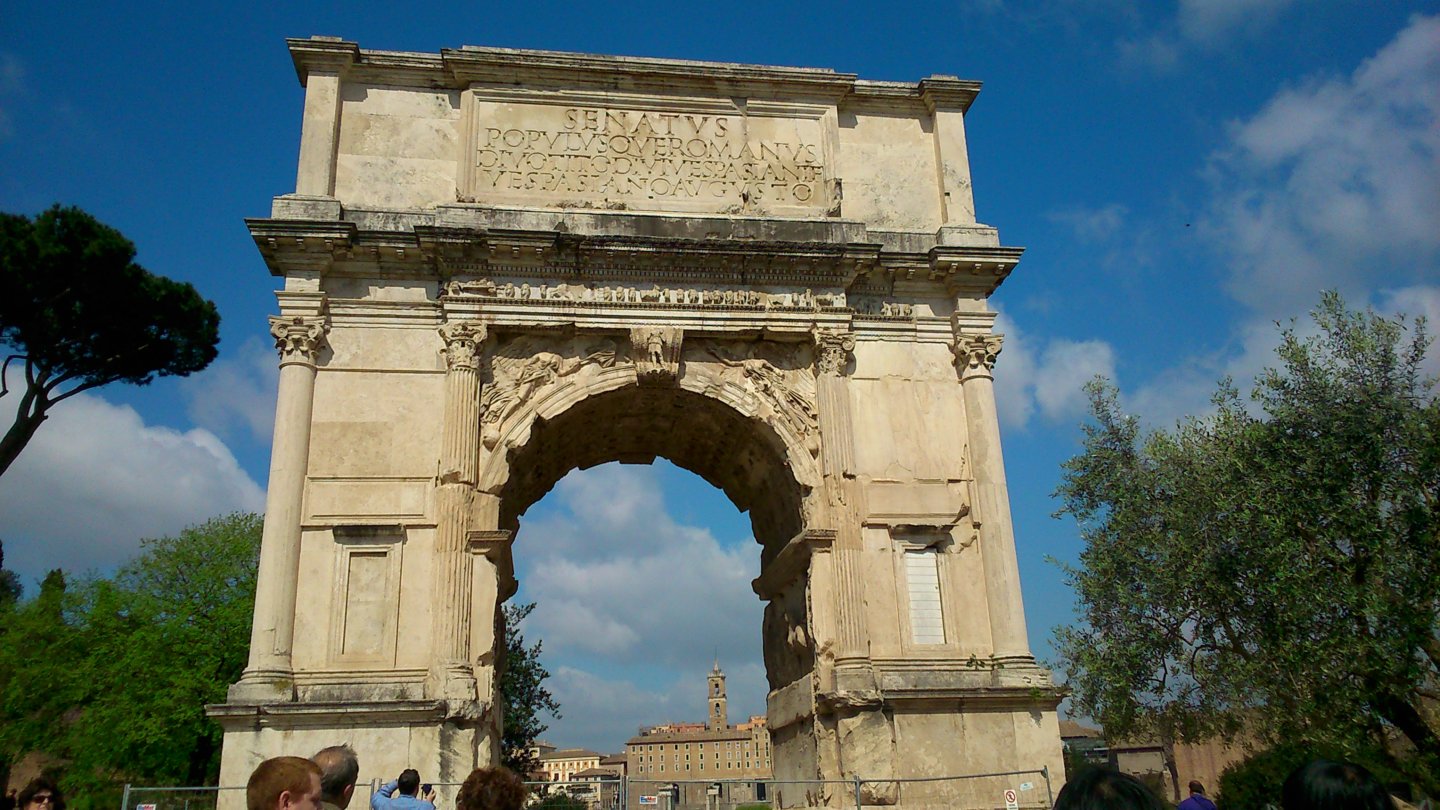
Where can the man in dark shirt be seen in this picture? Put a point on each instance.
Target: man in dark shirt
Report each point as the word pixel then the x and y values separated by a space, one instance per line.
pixel 1197 800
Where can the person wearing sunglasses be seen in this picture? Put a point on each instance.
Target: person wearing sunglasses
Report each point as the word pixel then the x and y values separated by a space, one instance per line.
pixel 41 794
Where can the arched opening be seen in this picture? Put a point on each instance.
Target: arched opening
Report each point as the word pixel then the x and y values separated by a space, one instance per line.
pixel 641 576
pixel 742 456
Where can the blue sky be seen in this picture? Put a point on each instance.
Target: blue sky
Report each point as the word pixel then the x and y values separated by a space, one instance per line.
pixel 1182 174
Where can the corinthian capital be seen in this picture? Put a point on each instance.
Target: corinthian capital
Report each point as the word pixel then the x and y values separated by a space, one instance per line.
pixel 976 352
pixel 298 338
pixel 832 351
pixel 462 342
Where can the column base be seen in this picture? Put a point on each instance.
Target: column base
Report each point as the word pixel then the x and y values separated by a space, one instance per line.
pixel 262 686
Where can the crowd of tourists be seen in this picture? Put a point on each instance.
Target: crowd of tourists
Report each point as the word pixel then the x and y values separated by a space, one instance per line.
pixel 327 782
pixel 1317 785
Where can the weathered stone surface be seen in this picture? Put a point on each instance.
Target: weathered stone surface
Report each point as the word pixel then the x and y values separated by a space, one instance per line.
pixel 502 265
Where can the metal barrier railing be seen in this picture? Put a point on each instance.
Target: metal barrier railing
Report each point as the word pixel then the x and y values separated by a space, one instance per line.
pixel 1004 790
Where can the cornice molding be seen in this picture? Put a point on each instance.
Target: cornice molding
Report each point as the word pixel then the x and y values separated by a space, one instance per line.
pixel 322 54
pixel 948 93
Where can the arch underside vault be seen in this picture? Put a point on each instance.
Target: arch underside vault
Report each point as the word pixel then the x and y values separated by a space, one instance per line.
pixel 700 420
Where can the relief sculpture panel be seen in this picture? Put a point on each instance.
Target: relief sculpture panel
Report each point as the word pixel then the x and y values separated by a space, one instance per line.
pixel 522 367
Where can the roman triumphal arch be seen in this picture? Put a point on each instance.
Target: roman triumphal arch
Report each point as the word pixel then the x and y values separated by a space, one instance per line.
pixel 502 265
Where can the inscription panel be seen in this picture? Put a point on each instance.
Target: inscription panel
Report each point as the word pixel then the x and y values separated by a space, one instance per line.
pixel 594 152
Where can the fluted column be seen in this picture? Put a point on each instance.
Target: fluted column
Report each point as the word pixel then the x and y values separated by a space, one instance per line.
pixel 975 359
pixel 833 351
pixel 269 674
pixel 452 675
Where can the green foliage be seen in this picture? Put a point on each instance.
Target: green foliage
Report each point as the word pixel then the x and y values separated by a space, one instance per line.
pixel 1256 782
pixel 112 675
pixel 80 313
pixel 1273 570
pixel 560 801
pixel 524 694
pixel 10 589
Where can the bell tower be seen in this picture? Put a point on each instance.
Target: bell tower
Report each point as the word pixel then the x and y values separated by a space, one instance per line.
pixel 717 719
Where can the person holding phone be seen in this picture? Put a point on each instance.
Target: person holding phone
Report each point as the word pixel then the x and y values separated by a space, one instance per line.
pixel 404 793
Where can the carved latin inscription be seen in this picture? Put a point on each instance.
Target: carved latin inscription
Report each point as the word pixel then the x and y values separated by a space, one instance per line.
pixel 633 158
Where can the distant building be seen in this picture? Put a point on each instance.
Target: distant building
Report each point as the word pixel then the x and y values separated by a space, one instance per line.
pixel 699 753
pixel 562 764
pixel 1083 744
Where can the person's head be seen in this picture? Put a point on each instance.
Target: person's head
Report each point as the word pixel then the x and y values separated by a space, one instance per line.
pixel 284 783
pixel 1196 787
pixel 40 794
pixel 409 782
pixel 339 768
pixel 1102 789
pixel 1325 785
pixel 491 789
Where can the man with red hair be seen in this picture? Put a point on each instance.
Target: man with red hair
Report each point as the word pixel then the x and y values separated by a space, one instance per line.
pixel 284 783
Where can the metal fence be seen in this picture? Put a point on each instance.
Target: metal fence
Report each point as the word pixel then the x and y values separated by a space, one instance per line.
pixel 1009 790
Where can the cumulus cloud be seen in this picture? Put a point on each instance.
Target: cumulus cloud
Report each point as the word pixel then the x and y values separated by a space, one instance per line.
pixel 1046 376
pixel 1212 21
pixel 633 606
pixel 235 395
pixel 96 479
pixel 1331 184
pixel 1335 183
pixel 1200 25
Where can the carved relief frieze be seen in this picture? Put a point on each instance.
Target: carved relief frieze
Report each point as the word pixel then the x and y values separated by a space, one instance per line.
pixel 522 367
pixel 655 295
pixel 657 354
pixel 879 307
pixel 778 375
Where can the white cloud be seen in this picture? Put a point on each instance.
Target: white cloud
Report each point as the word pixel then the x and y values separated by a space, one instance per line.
pixel 1210 21
pixel 1203 25
pixel 633 607
pixel 1333 184
pixel 1336 183
pixel 96 479
pixel 1047 377
pixel 236 392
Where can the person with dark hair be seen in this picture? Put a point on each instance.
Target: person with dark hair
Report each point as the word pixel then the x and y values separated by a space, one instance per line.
pixel 40 794
pixel 339 768
pixel 410 796
pixel 1198 800
pixel 1324 785
pixel 284 783
pixel 1102 789
pixel 494 788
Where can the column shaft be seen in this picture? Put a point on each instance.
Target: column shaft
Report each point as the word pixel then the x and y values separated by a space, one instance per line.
pixel 833 351
pixel 277 578
pixel 455 491
pixel 976 357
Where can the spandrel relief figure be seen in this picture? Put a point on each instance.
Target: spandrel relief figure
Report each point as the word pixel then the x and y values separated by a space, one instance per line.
pixel 522 367
pixel 780 376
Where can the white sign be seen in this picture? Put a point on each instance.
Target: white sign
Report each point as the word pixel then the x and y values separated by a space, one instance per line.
pixel 1027 785
pixel 649 799
pixel 1012 801
pixel 146 806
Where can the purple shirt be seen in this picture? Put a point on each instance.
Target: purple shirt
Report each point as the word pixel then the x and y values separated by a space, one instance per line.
pixel 1197 801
